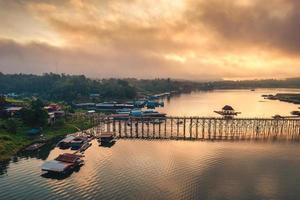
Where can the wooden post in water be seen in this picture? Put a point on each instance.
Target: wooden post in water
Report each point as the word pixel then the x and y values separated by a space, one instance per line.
pixel 136 125
pixel 209 133
pixel 125 127
pixel 120 128
pixel 148 127
pixel 142 127
pixel 165 129
pixel 203 128
pixel 159 128
pixel 114 127
pixel 178 128
pixel 220 129
pixel 184 124
pixel 131 127
pixel 171 127
pixel 191 128
pixel 215 128
pixel 153 127
pixel 197 121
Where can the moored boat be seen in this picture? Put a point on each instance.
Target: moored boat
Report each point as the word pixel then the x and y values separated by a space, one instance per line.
pixel 106 138
pixel 64 163
pixel 78 142
pixel 113 106
pixel 85 146
pixel 153 113
pixel 154 104
pixel 65 143
pixel 34 147
pixel 123 111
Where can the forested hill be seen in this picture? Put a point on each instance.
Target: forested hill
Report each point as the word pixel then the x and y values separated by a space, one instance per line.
pixel 265 83
pixel 71 88
pixel 63 87
pixel 75 87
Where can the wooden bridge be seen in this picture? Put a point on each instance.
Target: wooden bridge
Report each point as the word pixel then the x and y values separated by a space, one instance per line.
pixel 198 128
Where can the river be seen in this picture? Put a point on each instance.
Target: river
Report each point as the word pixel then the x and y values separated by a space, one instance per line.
pixel 249 103
pixel 165 169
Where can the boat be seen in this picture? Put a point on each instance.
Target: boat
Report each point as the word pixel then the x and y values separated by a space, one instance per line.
pixel 34 147
pixel 78 142
pixel 65 143
pixel 123 111
pixel 152 113
pixel 296 112
pixel 154 104
pixel 278 117
pixel 106 139
pixel 146 113
pixel 85 146
pixel 140 103
pixel 113 106
pixel 136 113
pixel 63 164
pixel 91 111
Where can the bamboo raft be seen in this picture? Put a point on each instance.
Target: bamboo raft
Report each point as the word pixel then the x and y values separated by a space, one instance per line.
pixel 198 128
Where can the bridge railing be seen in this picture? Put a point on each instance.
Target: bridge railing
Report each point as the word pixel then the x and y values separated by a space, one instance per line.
pixel 210 128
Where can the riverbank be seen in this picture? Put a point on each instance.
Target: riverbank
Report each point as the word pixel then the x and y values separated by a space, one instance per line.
pixel 11 143
pixel 286 97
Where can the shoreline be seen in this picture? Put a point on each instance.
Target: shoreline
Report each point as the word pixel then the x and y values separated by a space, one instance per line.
pixel 49 134
pixel 285 97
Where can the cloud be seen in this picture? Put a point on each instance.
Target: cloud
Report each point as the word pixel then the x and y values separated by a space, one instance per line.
pixel 41 58
pixel 270 24
pixel 143 38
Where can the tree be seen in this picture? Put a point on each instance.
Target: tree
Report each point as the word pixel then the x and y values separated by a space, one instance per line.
pixel 3 102
pixel 11 126
pixel 35 115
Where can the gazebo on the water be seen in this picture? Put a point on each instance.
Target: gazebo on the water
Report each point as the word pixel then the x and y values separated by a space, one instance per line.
pixel 228 112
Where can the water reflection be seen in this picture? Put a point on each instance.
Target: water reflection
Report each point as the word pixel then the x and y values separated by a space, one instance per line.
pixel 61 176
pixel 107 144
pixel 3 166
pixel 250 103
pixel 139 169
pixel 41 153
pixel 156 169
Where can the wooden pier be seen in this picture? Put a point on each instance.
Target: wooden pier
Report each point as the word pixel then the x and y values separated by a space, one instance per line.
pixel 198 128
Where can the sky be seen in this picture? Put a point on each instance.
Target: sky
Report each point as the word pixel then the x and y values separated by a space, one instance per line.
pixel 182 39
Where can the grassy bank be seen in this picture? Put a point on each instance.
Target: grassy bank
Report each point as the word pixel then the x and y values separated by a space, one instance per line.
pixel 11 143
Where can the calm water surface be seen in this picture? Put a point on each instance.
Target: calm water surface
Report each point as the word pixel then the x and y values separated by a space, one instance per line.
pixel 148 169
pixel 250 103
pixel 137 169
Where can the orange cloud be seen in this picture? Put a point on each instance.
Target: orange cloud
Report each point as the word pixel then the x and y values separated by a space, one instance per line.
pixel 189 39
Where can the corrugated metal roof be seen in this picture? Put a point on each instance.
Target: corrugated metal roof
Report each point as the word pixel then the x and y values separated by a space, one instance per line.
pixel 67 157
pixel 55 166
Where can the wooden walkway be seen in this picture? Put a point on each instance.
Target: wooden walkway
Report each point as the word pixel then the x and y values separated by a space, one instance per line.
pixel 199 128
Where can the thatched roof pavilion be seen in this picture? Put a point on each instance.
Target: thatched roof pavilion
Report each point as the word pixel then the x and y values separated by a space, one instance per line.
pixel 227 112
pixel 227 108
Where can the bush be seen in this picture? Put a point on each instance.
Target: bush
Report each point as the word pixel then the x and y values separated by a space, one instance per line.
pixel 35 115
pixel 11 126
pixel 5 138
pixel 59 122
